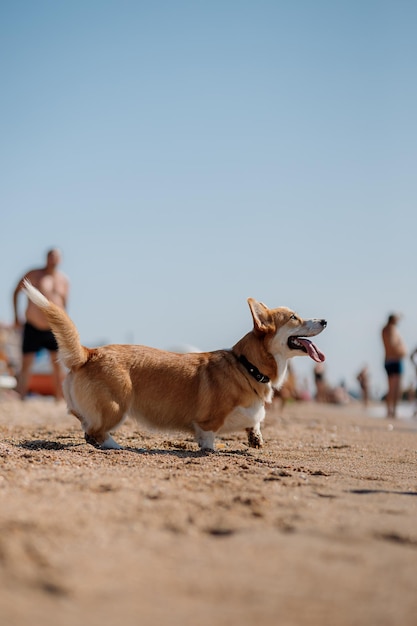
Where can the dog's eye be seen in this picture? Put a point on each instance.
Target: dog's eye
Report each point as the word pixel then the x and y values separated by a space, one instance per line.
pixel 293 317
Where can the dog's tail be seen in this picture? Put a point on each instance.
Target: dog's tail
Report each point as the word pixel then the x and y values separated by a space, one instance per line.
pixel 72 354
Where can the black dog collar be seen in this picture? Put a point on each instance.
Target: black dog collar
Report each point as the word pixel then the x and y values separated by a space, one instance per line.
pixel 253 371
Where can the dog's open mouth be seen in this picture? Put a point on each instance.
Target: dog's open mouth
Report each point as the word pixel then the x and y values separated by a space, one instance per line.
pixel 307 346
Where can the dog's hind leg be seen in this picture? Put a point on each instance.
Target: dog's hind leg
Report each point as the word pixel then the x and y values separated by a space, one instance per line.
pixel 99 438
pixel 108 444
pixel 99 412
pixel 97 428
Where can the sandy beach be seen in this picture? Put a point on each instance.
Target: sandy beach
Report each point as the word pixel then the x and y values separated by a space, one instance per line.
pixel 319 527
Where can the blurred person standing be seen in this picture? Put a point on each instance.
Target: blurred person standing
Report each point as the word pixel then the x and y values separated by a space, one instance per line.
pixel 395 351
pixel 322 389
pixel 36 331
pixel 363 380
pixel 413 357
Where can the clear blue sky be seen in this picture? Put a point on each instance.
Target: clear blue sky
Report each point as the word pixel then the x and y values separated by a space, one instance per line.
pixel 187 155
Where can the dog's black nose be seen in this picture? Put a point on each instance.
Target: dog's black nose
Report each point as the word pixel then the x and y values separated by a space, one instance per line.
pixel 323 323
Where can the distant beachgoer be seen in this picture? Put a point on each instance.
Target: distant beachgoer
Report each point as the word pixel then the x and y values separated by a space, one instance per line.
pixel 395 351
pixel 288 390
pixel 363 380
pixel 321 384
pixel 339 394
pixel 413 357
pixel 36 331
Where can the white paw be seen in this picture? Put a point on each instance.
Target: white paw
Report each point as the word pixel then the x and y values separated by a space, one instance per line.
pixel 205 439
pixel 110 444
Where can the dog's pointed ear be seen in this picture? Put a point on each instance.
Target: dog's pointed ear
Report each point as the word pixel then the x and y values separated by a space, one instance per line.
pixel 261 316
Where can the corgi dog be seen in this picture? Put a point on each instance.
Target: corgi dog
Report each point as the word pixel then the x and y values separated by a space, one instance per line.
pixel 207 393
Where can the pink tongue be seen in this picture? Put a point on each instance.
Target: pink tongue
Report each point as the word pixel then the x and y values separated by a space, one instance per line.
pixel 312 350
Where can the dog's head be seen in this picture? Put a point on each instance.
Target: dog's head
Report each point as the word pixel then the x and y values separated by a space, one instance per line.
pixel 286 332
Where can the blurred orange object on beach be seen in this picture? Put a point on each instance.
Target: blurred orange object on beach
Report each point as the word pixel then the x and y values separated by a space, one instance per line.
pixel 41 384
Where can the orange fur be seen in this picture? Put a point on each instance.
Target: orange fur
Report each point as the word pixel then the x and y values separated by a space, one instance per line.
pixel 207 392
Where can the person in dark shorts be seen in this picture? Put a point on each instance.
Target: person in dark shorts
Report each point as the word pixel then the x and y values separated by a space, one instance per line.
pixel 395 351
pixel 394 368
pixel 35 340
pixel 36 332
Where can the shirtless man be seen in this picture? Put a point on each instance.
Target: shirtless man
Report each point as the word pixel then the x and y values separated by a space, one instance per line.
pixel 395 351
pixel 36 332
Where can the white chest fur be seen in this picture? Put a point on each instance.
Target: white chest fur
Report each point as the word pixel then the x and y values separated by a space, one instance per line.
pixel 241 418
pixel 282 371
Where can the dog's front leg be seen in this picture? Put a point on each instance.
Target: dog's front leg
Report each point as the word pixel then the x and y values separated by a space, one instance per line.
pixel 205 438
pixel 255 439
